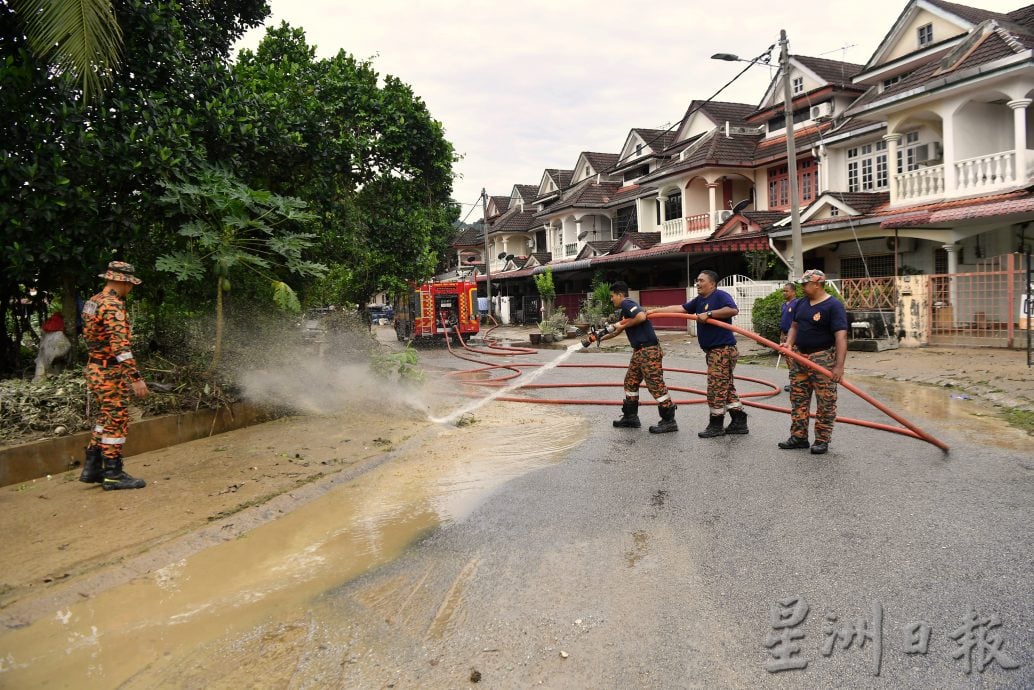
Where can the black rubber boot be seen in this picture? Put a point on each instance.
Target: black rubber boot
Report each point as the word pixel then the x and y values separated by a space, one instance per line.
pixel 629 415
pixel 115 478
pixel 715 427
pixel 92 472
pixel 667 423
pixel 738 425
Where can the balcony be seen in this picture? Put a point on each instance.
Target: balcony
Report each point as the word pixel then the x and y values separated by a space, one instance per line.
pixel 980 175
pixel 571 249
pixel 674 229
pixel 696 227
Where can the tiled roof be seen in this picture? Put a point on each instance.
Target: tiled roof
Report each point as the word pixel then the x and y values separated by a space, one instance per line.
pixel 831 71
pixel 601 162
pixel 563 178
pixel 527 191
pixel 650 252
pixel 501 203
pixel 514 220
pixel 626 194
pixel 863 202
pixel 587 194
pixel 602 246
pixel 775 147
pixel 763 218
pixel 713 148
pixel 970 14
pixel 543 257
pixel 468 238
pixel 720 112
pixel 656 139
pixel 1023 16
pixel 643 240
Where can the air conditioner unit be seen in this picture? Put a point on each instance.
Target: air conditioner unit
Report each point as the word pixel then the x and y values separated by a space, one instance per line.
pixel 822 111
pixel 724 216
pixel 929 153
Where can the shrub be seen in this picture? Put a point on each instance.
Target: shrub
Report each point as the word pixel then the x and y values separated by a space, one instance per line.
pixel 767 310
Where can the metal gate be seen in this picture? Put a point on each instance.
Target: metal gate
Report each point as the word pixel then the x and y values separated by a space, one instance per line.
pixel 981 308
pixel 744 293
pixel 664 298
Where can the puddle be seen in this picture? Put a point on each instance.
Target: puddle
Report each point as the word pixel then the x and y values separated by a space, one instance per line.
pixel 140 632
pixel 968 418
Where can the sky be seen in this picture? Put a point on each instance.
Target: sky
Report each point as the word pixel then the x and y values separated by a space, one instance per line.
pixel 528 85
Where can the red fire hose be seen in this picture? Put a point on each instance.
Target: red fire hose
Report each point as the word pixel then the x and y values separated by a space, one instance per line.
pixel 910 429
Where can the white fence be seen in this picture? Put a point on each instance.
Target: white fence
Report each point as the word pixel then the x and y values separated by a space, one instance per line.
pixel 745 292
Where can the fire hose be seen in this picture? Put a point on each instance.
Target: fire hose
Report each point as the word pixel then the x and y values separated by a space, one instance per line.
pixel 910 429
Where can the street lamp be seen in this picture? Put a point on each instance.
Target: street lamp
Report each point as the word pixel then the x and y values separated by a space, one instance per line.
pixel 797 259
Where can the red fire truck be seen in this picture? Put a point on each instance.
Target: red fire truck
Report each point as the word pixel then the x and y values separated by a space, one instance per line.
pixel 432 309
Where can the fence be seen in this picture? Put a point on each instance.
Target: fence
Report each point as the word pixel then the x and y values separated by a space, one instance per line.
pixel 981 308
pixel 869 294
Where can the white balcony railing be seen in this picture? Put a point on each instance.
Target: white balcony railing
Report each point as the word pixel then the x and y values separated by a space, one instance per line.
pixel 674 229
pixel 986 172
pixel 571 249
pixel 920 184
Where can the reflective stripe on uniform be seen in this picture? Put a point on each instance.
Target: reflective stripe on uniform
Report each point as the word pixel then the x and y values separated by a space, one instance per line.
pixel 113 440
pixel 664 398
pixel 631 394
pixel 124 356
pixel 716 410
pixel 98 428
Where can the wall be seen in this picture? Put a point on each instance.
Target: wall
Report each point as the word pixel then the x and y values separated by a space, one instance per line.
pixel 909 39
pixel 54 455
pixel 913 310
pixel 981 128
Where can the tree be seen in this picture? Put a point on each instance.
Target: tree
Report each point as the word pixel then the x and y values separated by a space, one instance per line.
pixel 546 290
pixel 234 228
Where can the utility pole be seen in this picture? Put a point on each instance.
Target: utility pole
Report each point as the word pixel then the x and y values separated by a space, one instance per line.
pixel 488 259
pixel 797 266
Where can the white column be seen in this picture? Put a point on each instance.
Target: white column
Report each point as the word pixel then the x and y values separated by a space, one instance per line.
pixel 892 165
pixel 1019 124
pixel 712 204
pixel 951 182
pixel 662 200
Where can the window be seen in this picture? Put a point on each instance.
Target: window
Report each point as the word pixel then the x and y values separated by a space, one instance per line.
pixel 854 267
pixel 887 83
pixel 625 221
pixel 834 211
pixel 586 172
pixel 779 184
pixel 798 85
pixel 925 35
pixel 907 153
pixel 867 167
pixel 673 207
pixel 638 150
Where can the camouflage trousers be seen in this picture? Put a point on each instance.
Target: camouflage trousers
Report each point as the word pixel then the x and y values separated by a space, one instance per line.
pixel 804 380
pixel 721 384
pixel 111 391
pixel 646 365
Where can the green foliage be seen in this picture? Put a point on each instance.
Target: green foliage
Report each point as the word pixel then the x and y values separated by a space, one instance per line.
pixel 555 323
pixel 544 284
pixel 402 366
pixel 763 264
pixel 597 307
pixel 767 310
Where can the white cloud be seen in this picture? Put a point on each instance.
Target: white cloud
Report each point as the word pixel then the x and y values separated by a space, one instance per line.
pixel 528 85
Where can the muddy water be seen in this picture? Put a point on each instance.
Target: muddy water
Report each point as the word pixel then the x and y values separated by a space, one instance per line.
pixel 146 628
pixel 968 416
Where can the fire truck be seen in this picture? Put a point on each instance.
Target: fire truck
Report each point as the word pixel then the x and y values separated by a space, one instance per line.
pixel 432 309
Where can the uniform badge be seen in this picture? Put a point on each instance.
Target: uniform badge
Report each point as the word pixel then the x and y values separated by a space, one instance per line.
pixel 817 317
pixel 90 308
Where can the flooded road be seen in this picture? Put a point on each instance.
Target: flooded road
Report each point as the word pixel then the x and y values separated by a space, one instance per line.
pixel 273 572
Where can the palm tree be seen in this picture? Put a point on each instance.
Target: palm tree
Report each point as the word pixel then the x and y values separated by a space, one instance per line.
pixel 80 38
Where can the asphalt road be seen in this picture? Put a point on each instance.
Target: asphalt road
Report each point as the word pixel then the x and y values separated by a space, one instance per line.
pixel 657 561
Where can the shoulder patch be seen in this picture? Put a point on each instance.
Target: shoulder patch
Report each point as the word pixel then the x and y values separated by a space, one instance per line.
pixel 90 308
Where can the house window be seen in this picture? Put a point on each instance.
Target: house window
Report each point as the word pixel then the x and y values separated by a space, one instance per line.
pixel 867 167
pixel 798 85
pixel 925 35
pixel 638 150
pixel 834 211
pixel 779 184
pixel 586 171
pixel 907 159
pixel 673 207
pixel 854 267
pixel 626 221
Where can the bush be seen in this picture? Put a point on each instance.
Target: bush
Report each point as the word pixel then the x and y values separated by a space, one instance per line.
pixel 767 310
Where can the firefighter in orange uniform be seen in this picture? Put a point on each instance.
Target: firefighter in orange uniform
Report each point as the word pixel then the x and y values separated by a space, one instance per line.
pixel 110 375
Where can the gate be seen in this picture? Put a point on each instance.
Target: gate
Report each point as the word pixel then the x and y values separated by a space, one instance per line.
pixel 664 298
pixel 981 308
pixel 744 293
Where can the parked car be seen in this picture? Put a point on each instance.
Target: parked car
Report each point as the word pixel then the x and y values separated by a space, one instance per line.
pixel 381 314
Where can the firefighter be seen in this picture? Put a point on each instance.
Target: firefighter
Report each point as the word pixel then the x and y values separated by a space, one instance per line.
pixel 719 346
pixel 110 375
pixel 785 319
pixel 644 366
pixel 819 332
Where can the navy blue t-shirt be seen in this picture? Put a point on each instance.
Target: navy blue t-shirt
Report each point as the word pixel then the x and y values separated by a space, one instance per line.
pixel 817 324
pixel 708 335
pixel 640 334
pixel 786 318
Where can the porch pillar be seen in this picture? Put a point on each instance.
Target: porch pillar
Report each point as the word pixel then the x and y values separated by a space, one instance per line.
pixel 712 206
pixel 1019 125
pixel 663 200
pixel 951 182
pixel 953 268
pixel 892 165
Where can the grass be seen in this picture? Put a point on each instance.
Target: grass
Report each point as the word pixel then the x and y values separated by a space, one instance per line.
pixel 1021 419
